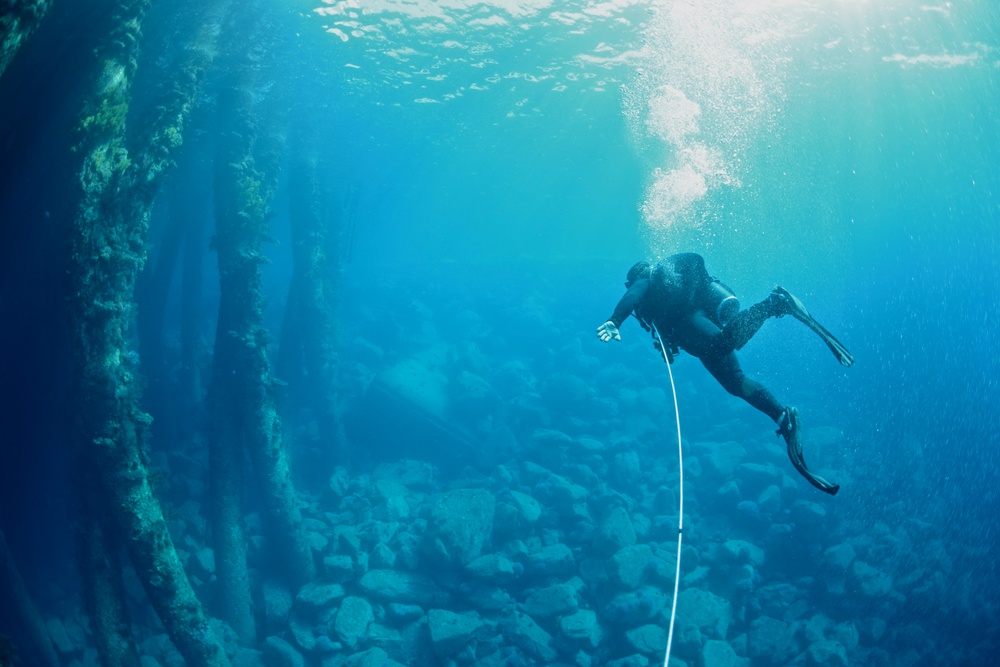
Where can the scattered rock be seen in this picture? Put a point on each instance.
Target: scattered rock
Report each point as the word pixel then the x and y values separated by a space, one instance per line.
pixel 493 568
pixel 404 611
pixel 614 531
pixel 741 552
pixel 451 633
pixel 385 638
pixel 402 586
pixel 522 631
pixel 353 618
pixel 630 661
pixel 314 597
pixel 246 657
pixel 827 653
pixel 459 525
pixel 840 557
pixel 718 653
pixel 722 458
pixel 753 478
pixel 808 515
pixel 648 639
pixel 487 598
pixel 382 556
pixel 770 637
pixel 689 639
pixel 711 613
pixel 338 568
pixel 552 601
pixel 769 501
pixel 729 494
pixel 635 607
pixel 869 580
pixel 279 653
pixel 527 507
pixel 563 493
pixel 582 627
pixel 553 560
pixel 626 470
pixel 627 568
pixel 373 657
pixel 303 630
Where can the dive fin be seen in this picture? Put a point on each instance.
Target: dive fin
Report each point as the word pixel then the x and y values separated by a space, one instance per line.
pixel 788 428
pixel 799 312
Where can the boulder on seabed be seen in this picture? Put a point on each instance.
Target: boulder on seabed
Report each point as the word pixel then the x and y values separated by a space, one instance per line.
pixel 769 500
pixel 626 470
pixel 718 653
pixel 522 631
pixel 871 581
pixel 635 660
pixel 279 653
pixel 552 601
pixel 614 531
pixel 459 525
pixel 277 604
pixel 827 653
pixel 722 458
pixel 711 613
pixel 649 639
pixel 627 568
pixel 528 508
pixel 403 587
pixel 492 568
pixel 582 627
pixel 553 560
pixel 315 597
pixel 635 607
pixel 753 478
pixel 352 620
pixel 840 557
pixel 742 552
pixel 450 632
pixel 770 637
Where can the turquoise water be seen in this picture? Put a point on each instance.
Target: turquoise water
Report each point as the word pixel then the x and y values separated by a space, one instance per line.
pixel 489 171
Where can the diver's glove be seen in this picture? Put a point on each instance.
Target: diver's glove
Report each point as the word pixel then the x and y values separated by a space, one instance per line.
pixel 607 331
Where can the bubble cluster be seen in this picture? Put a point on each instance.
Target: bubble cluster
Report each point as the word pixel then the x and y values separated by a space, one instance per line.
pixel 710 82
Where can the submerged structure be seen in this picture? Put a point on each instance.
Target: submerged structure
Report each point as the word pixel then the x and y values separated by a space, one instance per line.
pixel 297 332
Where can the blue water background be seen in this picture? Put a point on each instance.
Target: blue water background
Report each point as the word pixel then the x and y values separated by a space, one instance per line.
pixel 497 191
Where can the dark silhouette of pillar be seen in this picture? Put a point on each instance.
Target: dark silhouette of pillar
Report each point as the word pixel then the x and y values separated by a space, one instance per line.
pixel 18 20
pixel 108 250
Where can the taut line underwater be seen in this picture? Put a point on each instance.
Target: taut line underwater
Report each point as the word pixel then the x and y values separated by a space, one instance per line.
pixel 297 357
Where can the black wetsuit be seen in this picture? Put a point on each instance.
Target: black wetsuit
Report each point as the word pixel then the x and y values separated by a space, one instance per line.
pixel 671 297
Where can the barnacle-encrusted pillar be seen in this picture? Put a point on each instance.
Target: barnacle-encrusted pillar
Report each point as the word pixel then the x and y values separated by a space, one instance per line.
pixel 312 296
pixel 18 19
pixel 104 594
pixel 242 405
pixel 16 598
pixel 108 236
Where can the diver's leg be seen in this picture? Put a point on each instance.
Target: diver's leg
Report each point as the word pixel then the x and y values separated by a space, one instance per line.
pixel 726 369
pixel 696 334
pixel 789 305
pixel 699 336
pixel 779 302
pixel 746 323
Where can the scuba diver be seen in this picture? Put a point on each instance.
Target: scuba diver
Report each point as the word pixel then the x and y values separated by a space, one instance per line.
pixel 686 309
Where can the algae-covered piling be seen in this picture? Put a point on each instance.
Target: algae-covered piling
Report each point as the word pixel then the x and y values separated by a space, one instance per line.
pixel 109 236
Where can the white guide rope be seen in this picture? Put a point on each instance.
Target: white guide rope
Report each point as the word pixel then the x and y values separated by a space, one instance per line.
pixel 680 502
